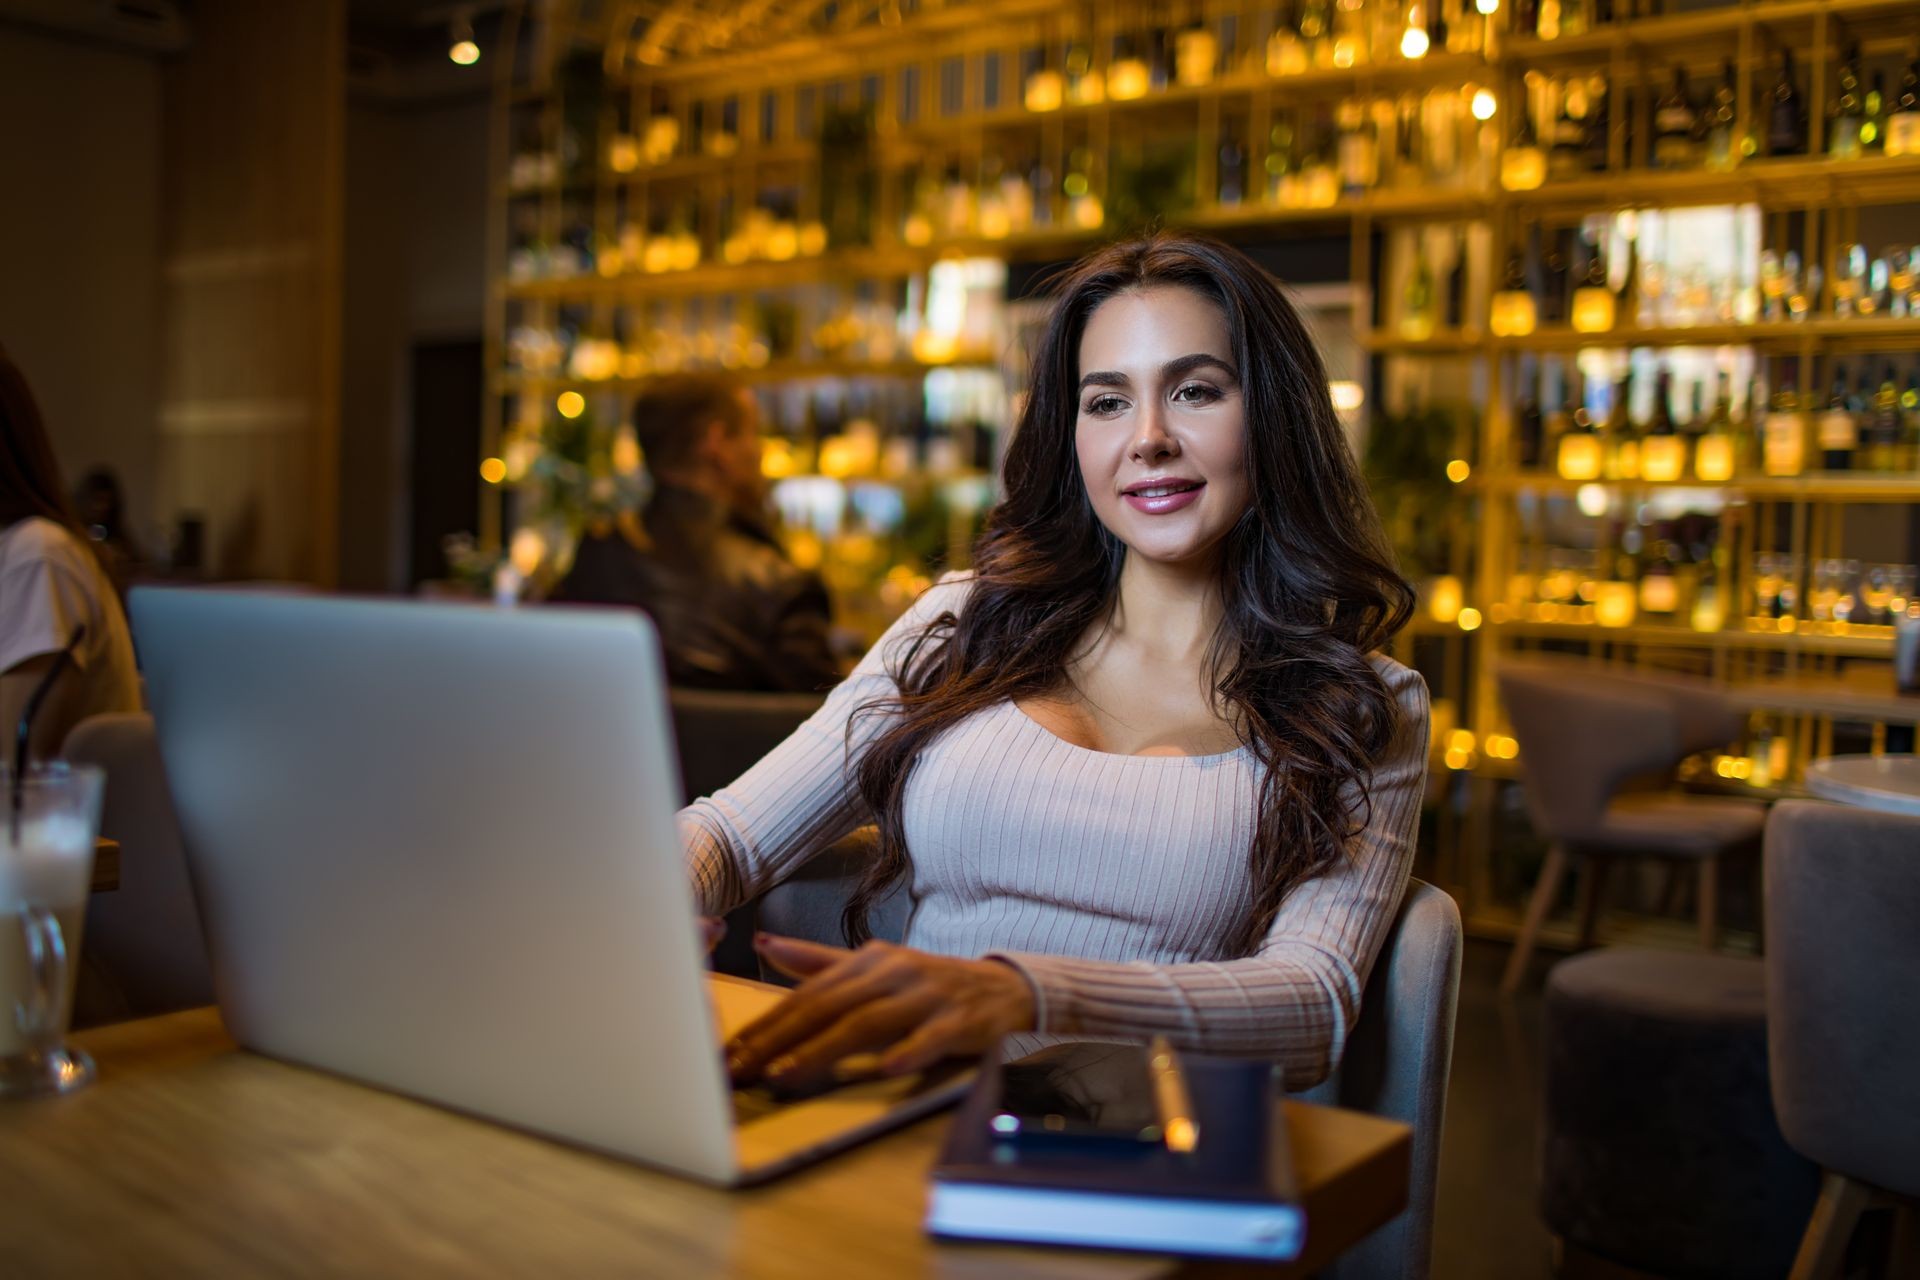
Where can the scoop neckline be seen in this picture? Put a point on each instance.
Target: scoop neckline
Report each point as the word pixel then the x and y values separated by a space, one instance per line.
pixel 1051 736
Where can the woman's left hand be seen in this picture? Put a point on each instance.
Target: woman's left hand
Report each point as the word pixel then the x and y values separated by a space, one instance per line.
pixel 908 1007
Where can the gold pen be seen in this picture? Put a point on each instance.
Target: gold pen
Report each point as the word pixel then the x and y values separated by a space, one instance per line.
pixel 1179 1130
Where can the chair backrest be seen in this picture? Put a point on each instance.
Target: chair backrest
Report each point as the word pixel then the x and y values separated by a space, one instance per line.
pixel 721 735
pixel 1582 732
pixel 1397 1059
pixel 1843 1002
pixel 145 936
pixel 1397 1063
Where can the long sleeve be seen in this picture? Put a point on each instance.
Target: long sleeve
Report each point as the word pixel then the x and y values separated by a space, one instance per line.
pixel 801 797
pixel 1296 998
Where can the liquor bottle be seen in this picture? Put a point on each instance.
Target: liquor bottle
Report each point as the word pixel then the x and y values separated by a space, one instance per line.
pixel 1523 165
pixel 1883 426
pixel 1903 117
pixel 1319 179
pixel 1909 459
pixel 1316 31
pixel 1673 121
pixel 1528 430
pixel 1196 52
pixel 1287 53
pixel 1785 444
pixel 1283 178
pixel 1359 149
pixel 1621 439
pixel 1873 129
pixel 1597 127
pixel 1085 84
pixel 1566 154
pixel 1526 17
pixel 1659 583
pixel 1593 304
pixel 1454 315
pixel 1579 447
pixel 1786 113
pixel 1839 432
pixel 1722 149
pixel 1231 183
pixel 1849 111
pixel 1418 312
pixel 1716 453
pixel 1511 312
pixel 1159 57
pixel 1663 453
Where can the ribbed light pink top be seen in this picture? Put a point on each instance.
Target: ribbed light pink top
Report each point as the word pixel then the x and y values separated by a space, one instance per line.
pixel 1110 881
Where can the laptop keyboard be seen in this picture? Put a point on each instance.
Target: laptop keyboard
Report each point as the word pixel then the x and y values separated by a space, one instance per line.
pixel 754 1104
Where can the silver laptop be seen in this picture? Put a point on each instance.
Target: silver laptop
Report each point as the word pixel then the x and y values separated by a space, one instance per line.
pixel 434 851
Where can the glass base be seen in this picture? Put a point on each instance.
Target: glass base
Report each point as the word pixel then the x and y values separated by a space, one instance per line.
pixel 31 1075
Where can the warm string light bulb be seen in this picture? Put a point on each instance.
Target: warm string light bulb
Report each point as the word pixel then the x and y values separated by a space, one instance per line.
pixel 461 46
pixel 1413 41
pixel 1485 105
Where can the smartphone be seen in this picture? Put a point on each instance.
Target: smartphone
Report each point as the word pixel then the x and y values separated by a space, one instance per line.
pixel 1078 1092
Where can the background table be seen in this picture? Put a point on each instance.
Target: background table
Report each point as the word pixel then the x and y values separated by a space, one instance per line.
pixel 191 1157
pixel 1890 783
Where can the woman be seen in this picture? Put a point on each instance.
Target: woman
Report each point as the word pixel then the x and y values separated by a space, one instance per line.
pixel 50 584
pixel 1140 762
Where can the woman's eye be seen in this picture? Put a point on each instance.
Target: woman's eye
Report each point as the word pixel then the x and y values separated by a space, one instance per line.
pixel 1197 393
pixel 1102 405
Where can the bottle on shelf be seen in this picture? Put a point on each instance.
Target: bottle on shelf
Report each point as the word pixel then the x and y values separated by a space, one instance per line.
pixel 1838 430
pixel 1592 310
pixel 1359 148
pixel 1528 429
pixel 1659 577
pixel 1909 459
pixel 1419 309
pixel 1287 52
pixel 1598 135
pixel 1784 448
pixel 1621 436
pixel 1511 312
pixel 1673 124
pixel 1316 31
pixel 1579 447
pixel 1567 155
pixel 1903 116
pixel 1873 129
pixel 1716 452
pixel 1722 148
pixel 1786 113
pixel 1282 162
pixel 1849 110
pixel 1882 434
pixel 1231 172
pixel 1196 51
pixel 1523 165
pixel 1663 451
pixel 1454 314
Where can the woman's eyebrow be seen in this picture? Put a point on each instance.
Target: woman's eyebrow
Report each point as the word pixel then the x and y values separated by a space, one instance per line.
pixel 1178 367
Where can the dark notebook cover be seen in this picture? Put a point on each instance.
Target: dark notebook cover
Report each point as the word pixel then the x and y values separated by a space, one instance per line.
pixel 1242 1154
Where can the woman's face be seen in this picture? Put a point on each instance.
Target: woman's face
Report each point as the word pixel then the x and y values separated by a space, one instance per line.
pixel 1161 428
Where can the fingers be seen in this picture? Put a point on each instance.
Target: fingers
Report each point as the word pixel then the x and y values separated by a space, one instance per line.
pixel 941 1036
pixel 856 979
pixel 712 929
pixel 796 957
pixel 873 1025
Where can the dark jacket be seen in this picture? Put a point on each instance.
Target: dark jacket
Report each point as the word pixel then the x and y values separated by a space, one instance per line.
pixel 733 611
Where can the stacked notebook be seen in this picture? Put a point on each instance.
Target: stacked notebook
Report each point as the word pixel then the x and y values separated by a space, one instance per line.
pixel 1209 1171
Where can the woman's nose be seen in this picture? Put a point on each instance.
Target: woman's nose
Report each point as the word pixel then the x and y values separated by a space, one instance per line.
pixel 1151 442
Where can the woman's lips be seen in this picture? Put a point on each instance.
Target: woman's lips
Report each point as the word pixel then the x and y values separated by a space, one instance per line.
pixel 1162 499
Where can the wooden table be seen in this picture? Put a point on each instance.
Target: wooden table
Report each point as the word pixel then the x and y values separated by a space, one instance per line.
pixel 191 1157
pixel 1865 694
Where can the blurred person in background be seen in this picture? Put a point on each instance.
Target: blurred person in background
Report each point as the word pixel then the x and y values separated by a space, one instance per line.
pixel 102 509
pixel 50 583
pixel 733 611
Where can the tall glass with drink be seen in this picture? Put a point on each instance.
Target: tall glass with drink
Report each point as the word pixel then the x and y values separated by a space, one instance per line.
pixel 46 869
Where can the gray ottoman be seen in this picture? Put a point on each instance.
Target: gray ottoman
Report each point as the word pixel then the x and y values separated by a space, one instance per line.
pixel 1659 1148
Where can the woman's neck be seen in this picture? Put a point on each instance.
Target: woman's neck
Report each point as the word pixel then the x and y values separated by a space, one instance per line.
pixel 1169 611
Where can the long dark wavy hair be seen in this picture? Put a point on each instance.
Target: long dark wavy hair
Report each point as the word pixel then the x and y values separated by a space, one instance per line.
pixel 29 476
pixel 1307 581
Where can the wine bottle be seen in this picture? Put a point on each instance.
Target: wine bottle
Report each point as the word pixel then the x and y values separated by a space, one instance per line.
pixel 1417 314
pixel 1909 459
pixel 1662 452
pixel 1566 154
pixel 1287 53
pixel 1231 176
pixel 1785 445
pixel 1597 115
pixel 1716 453
pixel 1883 427
pixel 1621 437
pixel 1673 122
pixel 1903 118
pixel 1849 111
pixel 1786 113
pixel 1839 433
pixel 1873 129
pixel 1523 165
pixel 1528 430
pixel 1359 149
pixel 1722 150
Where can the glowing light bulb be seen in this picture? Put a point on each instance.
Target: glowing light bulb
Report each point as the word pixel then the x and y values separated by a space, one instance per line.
pixel 1458 470
pixel 1485 105
pixel 1413 43
pixel 493 470
pixel 571 404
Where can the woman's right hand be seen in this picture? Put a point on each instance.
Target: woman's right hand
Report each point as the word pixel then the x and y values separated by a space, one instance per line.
pixel 712 929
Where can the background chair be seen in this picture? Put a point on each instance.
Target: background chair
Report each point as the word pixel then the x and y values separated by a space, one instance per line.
pixel 1843 992
pixel 143 952
pixel 1398 1056
pixel 720 735
pixel 1583 732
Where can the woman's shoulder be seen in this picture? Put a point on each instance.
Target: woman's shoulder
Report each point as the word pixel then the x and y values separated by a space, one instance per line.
pixel 38 540
pixel 1407 686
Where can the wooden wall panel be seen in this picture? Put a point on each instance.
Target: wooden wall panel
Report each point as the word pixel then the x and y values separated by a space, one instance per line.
pixel 254 124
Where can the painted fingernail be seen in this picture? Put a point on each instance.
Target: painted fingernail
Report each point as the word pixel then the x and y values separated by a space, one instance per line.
pixel 780 1068
pixel 857 1066
pixel 762 939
